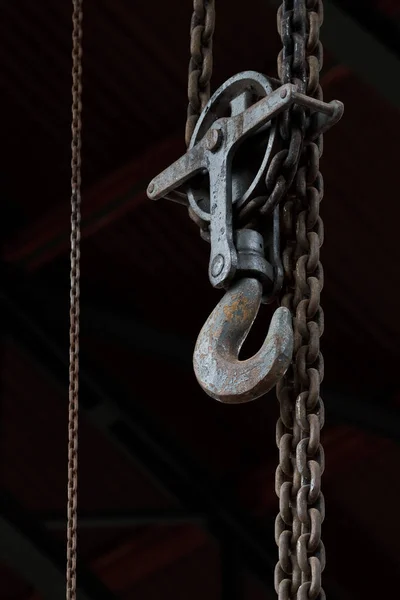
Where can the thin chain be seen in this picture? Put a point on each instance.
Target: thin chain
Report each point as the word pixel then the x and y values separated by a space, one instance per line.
pixel 201 61
pixel 74 299
pixel 298 477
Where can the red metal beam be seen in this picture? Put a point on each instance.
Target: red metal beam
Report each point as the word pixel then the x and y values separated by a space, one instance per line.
pixel 121 192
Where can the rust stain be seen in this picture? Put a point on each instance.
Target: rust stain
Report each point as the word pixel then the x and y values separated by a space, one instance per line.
pixel 239 307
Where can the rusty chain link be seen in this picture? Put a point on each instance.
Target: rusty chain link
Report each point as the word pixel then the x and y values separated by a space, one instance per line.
pixel 74 299
pixel 201 61
pixel 200 71
pixel 301 464
pixel 295 63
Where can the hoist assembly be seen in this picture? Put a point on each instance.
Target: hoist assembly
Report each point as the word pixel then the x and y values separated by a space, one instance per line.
pixel 251 181
pixel 224 171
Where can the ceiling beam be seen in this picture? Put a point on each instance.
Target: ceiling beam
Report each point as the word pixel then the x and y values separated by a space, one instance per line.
pixel 33 553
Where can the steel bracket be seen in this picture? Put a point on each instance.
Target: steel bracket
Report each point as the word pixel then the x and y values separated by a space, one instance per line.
pixel 214 154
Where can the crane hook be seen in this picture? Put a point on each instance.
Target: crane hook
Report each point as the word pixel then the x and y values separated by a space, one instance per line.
pixel 216 364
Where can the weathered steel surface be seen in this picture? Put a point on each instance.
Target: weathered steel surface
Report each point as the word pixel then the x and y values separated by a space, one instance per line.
pixel 217 367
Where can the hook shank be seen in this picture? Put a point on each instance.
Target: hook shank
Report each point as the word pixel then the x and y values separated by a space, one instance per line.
pixel 217 367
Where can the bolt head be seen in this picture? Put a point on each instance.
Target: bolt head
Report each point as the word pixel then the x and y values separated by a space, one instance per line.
pixel 217 265
pixel 214 139
pixel 150 189
pixel 283 93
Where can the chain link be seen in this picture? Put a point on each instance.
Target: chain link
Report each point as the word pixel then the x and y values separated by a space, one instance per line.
pixel 299 62
pixel 74 299
pixel 201 61
pixel 200 71
pixel 298 477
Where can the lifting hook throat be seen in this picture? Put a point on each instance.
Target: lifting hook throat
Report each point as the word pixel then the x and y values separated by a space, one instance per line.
pixel 216 364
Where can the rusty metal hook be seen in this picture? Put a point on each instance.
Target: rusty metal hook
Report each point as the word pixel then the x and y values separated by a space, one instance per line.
pixel 216 364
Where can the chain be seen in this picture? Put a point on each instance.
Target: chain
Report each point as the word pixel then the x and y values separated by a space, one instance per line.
pixel 74 299
pixel 293 179
pixel 201 61
pixel 298 63
pixel 200 70
pixel 301 464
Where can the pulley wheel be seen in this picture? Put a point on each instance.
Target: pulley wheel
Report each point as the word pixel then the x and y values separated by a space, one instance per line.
pixel 252 157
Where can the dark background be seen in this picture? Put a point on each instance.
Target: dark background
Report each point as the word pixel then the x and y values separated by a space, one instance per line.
pixel 176 492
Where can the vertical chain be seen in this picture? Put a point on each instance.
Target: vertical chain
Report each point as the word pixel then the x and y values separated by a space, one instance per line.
pixel 201 61
pixel 298 477
pixel 74 299
pixel 200 70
